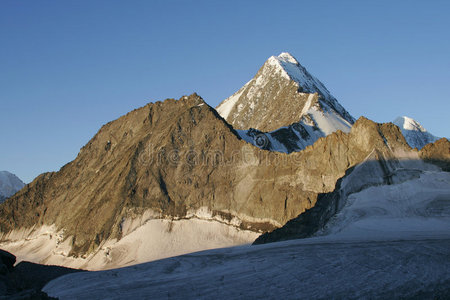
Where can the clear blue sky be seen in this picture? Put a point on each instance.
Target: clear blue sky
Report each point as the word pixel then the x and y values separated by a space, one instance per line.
pixel 68 67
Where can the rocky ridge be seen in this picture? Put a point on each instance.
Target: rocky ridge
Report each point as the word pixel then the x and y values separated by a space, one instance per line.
pixel 176 175
pixel 437 153
pixel 375 170
pixel 175 159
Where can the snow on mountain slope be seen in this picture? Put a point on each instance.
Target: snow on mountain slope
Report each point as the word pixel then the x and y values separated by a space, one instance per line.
pixel 290 68
pixel 293 70
pixel 284 108
pixel 415 209
pixel 227 106
pixel 388 241
pixel 9 184
pixel 414 133
pixel 145 239
pixel 297 136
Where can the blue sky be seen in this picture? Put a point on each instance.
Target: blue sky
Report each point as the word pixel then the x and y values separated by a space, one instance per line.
pixel 68 67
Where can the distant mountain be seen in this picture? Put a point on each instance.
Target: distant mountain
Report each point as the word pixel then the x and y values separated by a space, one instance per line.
pixel 9 185
pixel 414 133
pixel 284 108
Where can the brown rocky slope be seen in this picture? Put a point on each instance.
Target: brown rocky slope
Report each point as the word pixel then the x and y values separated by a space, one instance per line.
pixel 437 153
pixel 178 156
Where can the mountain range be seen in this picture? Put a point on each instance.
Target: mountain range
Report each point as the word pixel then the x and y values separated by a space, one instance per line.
pixel 280 159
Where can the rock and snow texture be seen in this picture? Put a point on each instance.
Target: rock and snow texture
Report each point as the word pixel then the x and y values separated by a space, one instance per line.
pixel 284 108
pixel 415 209
pixel 388 241
pixel 297 136
pixel 414 133
pixel 145 239
pixel 411 183
pixel 9 185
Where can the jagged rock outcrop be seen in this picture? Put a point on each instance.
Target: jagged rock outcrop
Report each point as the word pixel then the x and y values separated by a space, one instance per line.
pixel 284 108
pixel 437 153
pixel 174 158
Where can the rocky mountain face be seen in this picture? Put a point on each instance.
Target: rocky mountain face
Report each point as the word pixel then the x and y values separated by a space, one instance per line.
pixel 172 162
pixel 415 134
pixel 9 185
pixel 175 177
pixel 375 170
pixel 284 108
pixel 437 153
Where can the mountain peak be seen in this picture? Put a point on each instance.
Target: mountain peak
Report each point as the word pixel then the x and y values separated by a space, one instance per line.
pixel 291 69
pixel 287 57
pixel 9 185
pixel 408 123
pixel 282 93
pixel 414 133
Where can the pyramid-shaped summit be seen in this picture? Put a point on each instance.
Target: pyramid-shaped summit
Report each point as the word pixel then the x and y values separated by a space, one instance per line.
pixel 293 70
pixel 284 95
pixel 281 93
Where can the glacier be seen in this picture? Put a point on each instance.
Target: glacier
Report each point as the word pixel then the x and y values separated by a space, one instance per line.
pixel 387 241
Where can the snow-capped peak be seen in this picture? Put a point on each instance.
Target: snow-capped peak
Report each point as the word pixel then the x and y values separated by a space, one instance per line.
pixel 282 93
pixel 414 133
pixel 287 57
pixel 291 69
pixel 409 124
